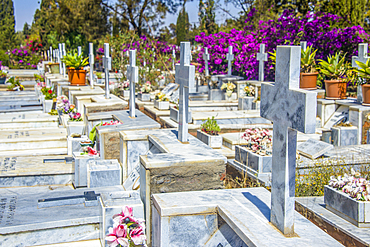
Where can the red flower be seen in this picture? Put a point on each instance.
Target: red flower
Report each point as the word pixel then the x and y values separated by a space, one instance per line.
pixel 50 91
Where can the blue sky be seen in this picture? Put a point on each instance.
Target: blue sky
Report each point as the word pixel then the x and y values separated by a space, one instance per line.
pixel 24 10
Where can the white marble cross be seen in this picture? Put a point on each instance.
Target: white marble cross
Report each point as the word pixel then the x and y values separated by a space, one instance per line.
pixel 290 109
pixel 173 59
pixel 63 54
pixel 262 58
pixel 206 58
pixel 362 55
pixel 51 54
pixel 184 76
pixel 48 53
pixel 229 58
pixel 60 58
pixel 153 57
pixel 303 45
pixel 107 65
pixel 79 50
pixel 133 77
pixel 91 62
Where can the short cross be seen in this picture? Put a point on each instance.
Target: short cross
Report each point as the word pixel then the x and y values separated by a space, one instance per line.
pixel 133 77
pixel 91 62
pixel 362 55
pixel 63 54
pixel 229 58
pixel 107 64
pixel 60 59
pixel 290 109
pixel 79 50
pixel 184 76
pixel 303 45
pixel 206 58
pixel 173 58
pixel 262 58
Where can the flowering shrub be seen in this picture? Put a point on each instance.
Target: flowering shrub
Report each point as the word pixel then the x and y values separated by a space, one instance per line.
pixel 27 56
pixel 249 91
pixel 39 78
pixel 353 185
pixel 230 87
pixel 75 116
pixel 161 97
pixel 146 88
pixel 126 85
pixel 49 94
pixel 126 231
pixel 259 140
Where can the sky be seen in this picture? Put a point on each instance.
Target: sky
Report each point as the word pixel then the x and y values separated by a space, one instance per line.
pixel 24 10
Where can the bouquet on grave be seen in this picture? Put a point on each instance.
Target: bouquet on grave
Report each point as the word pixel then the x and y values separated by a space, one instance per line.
pixel 249 91
pixel 126 231
pixel 15 85
pixel 75 116
pixel 48 92
pixel 230 87
pixel 161 97
pixel 64 105
pixel 92 135
pixel 146 88
pixel 89 151
pixel 259 140
pixel 126 85
pixel 353 185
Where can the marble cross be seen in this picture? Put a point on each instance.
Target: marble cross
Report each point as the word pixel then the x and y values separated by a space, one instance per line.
pixel 48 53
pixel 206 59
pixel 91 62
pixel 362 55
pixel 303 45
pixel 63 54
pixel 173 59
pixel 290 109
pixel 133 77
pixel 79 50
pixel 153 57
pixel 262 58
pixel 107 64
pixel 229 58
pixel 51 54
pixel 60 58
pixel 184 76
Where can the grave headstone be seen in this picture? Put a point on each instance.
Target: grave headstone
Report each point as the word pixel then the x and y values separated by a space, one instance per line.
pixel 313 148
pixel 340 115
pixel 301 116
pixel 185 74
pixel 262 58
pixel 229 58
pixel 206 58
pixel 91 62
pixel 170 88
pixel 133 77
pixel 107 65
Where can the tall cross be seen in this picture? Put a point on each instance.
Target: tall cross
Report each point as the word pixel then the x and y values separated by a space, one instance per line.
pixel 206 58
pixel 184 76
pixel 51 54
pixel 79 50
pixel 133 77
pixel 107 64
pixel 91 62
pixel 303 45
pixel 153 57
pixel 173 58
pixel 290 109
pixel 362 55
pixel 60 58
pixel 230 58
pixel 48 52
pixel 262 58
pixel 63 54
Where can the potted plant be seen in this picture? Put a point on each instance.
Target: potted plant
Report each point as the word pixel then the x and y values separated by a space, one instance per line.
pixel 49 96
pixel 209 133
pixel 3 75
pixel 334 69
pixel 246 102
pixel 144 91
pixel 99 78
pixel 161 101
pixel 75 63
pixel 126 89
pixel 214 92
pixel 75 123
pixel 230 88
pixel 15 85
pixel 308 75
pixel 364 73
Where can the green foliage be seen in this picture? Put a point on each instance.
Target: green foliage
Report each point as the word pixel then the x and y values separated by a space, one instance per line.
pixel 7 25
pixel 26 29
pixel 210 126
pixel 73 60
pixel 92 134
pixel 48 92
pixel 3 74
pixel 182 26
pixel 14 83
pixel 308 63
pixel 334 68
pixel 364 70
pixel 4 58
pixel 207 17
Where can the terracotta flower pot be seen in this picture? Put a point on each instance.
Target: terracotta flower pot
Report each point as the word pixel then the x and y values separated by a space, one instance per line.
pixel 69 75
pixel 308 80
pixel 335 89
pixel 366 94
pixel 78 77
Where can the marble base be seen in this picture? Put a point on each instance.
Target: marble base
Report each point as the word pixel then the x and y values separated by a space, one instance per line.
pixel 80 165
pixel 230 117
pixel 161 105
pixel 258 163
pixel 103 173
pixel 234 96
pixel 126 93
pixel 215 94
pixel 214 141
pixel 174 115
pixel 246 103
pixel 75 127
pixel 73 144
pixel 344 136
pixel 46 105
pixel 145 97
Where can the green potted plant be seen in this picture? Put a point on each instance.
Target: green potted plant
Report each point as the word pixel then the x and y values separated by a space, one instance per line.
pixel 15 85
pixel 364 73
pixel 209 133
pixel 75 64
pixel 49 97
pixel 3 75
pixel 334 70
pixel 308 75
pixel 99 78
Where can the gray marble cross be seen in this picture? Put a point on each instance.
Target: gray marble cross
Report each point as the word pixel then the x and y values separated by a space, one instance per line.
pixel 303 45
pixel 262 58
pixel 229 58
pixel 60 59
pixel 107 65
pixel 173 59
pixel 184 76
pixel 133 77
pixel 63 54
pixel 290 109
pixel 362 55
pixel 79 50
pixel 206 59
pixel 91 62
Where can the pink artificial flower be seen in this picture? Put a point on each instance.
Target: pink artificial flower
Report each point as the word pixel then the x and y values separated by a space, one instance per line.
pixel 137 235
pixel 91 151
pixel 124 215
pixel 117 236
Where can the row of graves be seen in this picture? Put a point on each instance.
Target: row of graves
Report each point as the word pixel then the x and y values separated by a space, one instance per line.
pixel 87 180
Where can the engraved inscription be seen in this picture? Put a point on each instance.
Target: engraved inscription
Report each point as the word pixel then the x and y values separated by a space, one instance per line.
pixel 7 210
pixel 18 134
pixel 8 164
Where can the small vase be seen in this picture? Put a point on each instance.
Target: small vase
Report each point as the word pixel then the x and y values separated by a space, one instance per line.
pixel 308 81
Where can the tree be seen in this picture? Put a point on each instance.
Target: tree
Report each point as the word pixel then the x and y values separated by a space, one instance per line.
pixel 182 26
pixel 7 24
pixel 207 17
pixel 26 29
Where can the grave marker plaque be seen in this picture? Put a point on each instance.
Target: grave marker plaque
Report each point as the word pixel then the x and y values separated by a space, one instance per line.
pixel 313 148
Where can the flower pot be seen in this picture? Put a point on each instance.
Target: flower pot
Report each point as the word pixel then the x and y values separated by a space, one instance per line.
pixel 145 97
pixel 161 105
pixel 215 94
pixel 78 77
pixel 214 141
pixel 366 94
pixel 75 127
pixel 100 81
pixel 246 103
pixel 46 105
pixel 335 89
pixel 2 80
pixel 230 97
pixel 126 93
pixel 308 80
